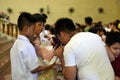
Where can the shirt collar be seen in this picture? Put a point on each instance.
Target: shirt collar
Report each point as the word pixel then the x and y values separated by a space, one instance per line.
pixel 22 37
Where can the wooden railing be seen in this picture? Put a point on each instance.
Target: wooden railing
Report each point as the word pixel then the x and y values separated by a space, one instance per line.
pixel 5 65
pixel 8 28
pixel 8 33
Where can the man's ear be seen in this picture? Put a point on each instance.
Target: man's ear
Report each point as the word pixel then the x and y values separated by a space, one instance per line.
pixel 63 34
pixel 25 28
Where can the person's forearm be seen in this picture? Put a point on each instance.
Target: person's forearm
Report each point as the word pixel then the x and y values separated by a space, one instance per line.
pixel 62 62
pixel 42 68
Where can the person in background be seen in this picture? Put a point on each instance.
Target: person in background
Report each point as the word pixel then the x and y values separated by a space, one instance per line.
pixel 44 38
pixel 39 26
pixel 99 29
pixel 83 54
pixel 45 55
pixel 113 45
pixel 88 22
pixel 44 35
pixel 79 27
pixel 114 27
pixel 24 61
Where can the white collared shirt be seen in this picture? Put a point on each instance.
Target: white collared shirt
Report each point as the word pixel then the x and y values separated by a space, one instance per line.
pixel 23 59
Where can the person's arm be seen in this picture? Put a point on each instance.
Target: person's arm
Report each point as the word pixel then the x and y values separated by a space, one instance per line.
pixel 69 72
pixel 44 53
pixel 110 55
pixel 59 53
pixel 42 68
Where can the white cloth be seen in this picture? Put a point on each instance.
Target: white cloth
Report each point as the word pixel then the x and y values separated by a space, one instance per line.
pixel 44 41
pixel 23 59
pixel 87 51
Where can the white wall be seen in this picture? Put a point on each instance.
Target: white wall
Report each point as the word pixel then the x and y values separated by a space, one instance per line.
pixel 59 8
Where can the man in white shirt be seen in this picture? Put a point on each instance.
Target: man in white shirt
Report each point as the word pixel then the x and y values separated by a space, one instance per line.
pixel 24 61
pixel 84 55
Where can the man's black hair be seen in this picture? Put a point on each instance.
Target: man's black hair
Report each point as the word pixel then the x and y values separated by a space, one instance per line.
pixel 25 19
pixel 88 20
pixel 39 17
pixel 47 27
pixel 112 37
pixel 64 24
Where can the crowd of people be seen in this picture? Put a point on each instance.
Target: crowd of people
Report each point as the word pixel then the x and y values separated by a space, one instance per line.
pixel 81 52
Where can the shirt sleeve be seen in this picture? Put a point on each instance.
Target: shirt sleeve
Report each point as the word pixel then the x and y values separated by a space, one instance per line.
pixel 69 56
pixel 30 58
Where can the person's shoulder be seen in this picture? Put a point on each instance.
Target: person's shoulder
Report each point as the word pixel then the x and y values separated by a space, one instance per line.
pixel 88 35
pixel 22 40
pixel 85 33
